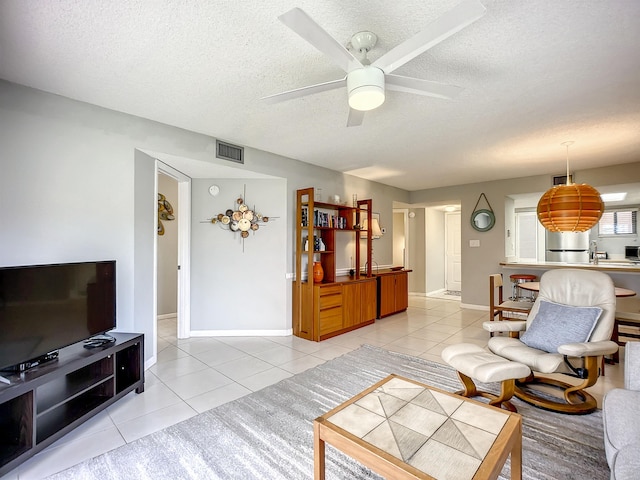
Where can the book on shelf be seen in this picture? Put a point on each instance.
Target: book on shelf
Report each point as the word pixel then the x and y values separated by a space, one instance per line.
pixel 323 219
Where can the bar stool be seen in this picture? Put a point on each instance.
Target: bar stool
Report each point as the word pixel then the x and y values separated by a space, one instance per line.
pixel 516 279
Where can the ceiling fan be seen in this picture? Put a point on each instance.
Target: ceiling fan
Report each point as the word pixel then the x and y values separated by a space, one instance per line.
pixel 366 81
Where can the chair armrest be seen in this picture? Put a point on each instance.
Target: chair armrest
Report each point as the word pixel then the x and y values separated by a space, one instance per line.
pixel 588 349
pixel 505 326
pixel 632 365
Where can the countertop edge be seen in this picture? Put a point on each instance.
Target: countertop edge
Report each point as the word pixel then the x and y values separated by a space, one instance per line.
pixel 590 266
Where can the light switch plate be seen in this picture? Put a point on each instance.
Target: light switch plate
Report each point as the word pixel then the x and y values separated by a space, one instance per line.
pixel 474 243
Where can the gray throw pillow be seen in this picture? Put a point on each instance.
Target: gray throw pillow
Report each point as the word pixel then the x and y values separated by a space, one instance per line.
pixel 556 324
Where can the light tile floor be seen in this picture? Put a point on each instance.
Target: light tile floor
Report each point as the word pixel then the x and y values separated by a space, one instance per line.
pixel 198 374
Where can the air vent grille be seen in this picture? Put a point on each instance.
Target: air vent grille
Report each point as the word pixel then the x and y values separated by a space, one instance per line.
pixel 226 151
pixel 561 180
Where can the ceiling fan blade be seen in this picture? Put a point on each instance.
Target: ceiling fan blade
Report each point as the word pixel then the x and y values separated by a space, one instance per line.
pixel 355 118
pixel 421 87
pixel 301 23
pixel 446 25
pixel 304 91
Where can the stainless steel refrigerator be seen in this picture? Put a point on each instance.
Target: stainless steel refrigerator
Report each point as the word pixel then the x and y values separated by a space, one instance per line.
pixel 569 247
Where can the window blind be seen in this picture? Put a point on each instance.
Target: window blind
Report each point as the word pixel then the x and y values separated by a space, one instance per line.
pixel 621 222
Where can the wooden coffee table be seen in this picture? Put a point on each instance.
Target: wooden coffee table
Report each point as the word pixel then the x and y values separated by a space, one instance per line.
pixel 401 428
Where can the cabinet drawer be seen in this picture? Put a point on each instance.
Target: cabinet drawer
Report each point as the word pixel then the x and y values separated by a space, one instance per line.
pixel 330 297
pixel 330 290
pixel 330 320
pixel 330 301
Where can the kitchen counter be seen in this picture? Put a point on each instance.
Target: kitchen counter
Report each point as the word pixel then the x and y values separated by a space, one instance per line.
pixel 617 266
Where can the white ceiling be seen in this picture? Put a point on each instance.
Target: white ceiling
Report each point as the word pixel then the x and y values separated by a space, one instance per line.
pixel 535 73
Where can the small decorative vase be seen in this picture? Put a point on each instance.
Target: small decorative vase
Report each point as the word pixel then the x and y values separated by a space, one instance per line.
pixel 318 272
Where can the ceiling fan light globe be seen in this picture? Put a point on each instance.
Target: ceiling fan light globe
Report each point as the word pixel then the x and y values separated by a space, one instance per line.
pixel 366 98
pixel 366 88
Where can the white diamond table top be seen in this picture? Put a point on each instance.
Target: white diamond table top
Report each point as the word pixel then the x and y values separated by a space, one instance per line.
pixel 444 435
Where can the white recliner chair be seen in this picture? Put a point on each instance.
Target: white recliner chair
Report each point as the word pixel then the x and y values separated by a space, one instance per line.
pixel 567 331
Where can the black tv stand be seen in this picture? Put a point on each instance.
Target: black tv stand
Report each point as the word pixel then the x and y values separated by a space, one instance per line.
pixel 45 402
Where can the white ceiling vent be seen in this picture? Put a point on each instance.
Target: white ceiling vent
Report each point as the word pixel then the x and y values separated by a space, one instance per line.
pixel 226 151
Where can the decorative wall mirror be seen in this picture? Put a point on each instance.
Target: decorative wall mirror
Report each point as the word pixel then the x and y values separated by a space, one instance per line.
pixel 483 219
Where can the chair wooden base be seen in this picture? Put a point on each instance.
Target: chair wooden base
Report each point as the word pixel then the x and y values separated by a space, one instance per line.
pixel 578 402
pixel 501 401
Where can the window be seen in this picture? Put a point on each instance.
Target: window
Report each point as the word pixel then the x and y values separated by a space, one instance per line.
pixel 618 222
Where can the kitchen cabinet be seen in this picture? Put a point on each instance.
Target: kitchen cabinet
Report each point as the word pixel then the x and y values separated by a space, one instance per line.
pixel 393 292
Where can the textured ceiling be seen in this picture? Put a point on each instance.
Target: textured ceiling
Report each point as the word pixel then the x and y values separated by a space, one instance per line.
pixel 535 74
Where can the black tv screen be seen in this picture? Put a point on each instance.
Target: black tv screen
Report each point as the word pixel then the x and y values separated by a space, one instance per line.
pixel 46 307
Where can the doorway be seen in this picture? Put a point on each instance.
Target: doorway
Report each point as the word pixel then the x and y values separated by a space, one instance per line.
pixel 180 256
pixel 167 259
pixel 400 252
pixel 453 254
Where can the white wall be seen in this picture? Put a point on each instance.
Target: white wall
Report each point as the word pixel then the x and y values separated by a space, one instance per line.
pixel 417 250
pixel 236 288
pixel 168 250
pixel 69 174
pixel 77 185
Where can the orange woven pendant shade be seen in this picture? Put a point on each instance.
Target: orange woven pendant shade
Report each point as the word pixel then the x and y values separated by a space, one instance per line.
pixel 570 208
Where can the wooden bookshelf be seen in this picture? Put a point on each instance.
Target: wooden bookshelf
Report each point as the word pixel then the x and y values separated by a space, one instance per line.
pixel 339 303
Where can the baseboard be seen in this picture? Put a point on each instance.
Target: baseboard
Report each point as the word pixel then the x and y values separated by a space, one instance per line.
pixel 471 306
pixel 241 333
pixel 150 363
pixel 436 292
pixel 166 316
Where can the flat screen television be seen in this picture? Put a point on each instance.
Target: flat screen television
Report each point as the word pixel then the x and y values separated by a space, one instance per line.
pixel 47 307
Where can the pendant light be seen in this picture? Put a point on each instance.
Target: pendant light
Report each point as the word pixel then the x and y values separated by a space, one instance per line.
pixel 570 207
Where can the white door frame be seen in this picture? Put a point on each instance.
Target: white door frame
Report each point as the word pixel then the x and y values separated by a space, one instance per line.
pixel 184 250
pixel 405 213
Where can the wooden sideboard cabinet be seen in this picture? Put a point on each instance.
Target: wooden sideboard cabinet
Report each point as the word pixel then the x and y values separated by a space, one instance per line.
pixel 393 292
pixel 338 303
pixel 344 306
